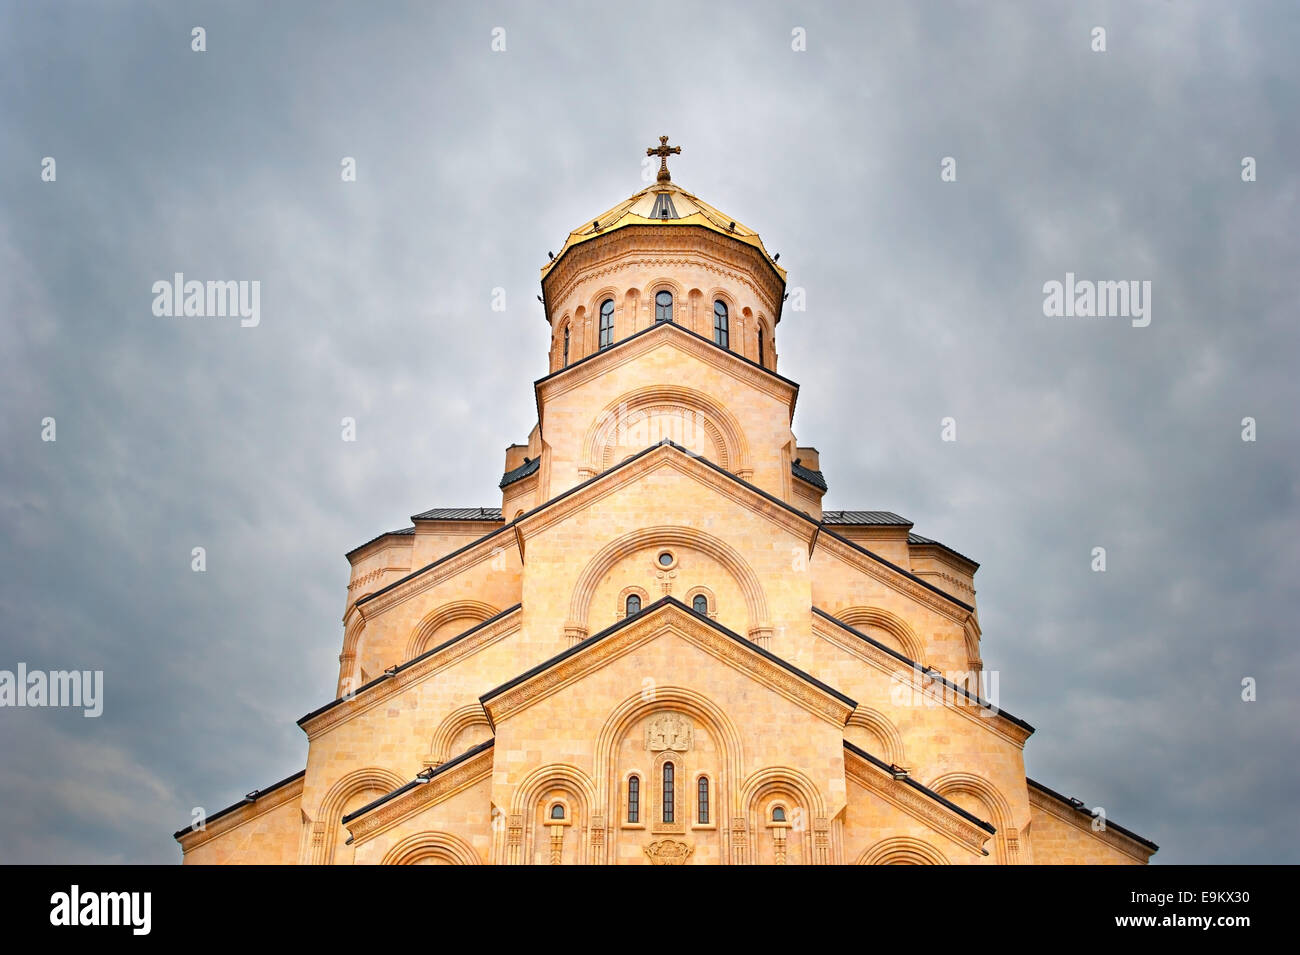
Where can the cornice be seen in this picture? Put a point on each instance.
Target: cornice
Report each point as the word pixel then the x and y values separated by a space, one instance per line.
pixel 442 569
pixel 885 572
pixel 657 457
pixel 660 244
pixel 666 615
pixel 1080 819
pixel 890 665
pixel 241 813
pixel 646 340
pixel 920 807
pixel 439 658
pixel 420 796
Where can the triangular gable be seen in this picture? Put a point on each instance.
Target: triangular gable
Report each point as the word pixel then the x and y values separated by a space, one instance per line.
pixel 663 615
pixel 918 801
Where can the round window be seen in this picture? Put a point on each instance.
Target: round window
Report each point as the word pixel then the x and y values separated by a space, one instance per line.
pixel 665 559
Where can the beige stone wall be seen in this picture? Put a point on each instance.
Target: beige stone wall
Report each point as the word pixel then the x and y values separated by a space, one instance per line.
pixel 1061 838
pixel 252 835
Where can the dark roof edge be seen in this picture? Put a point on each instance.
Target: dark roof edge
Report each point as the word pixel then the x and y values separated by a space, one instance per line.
pixel 389 674
pixel 931 542
pixel 1084 810
pixel 668 601
pixel 909 781
pixel 527 469
pixel 468 754
pixel 916 666
pixel 720 470
pixel 251 798
pixel 427 567
pixel 654 327
pixel 399 532
pixel 826 528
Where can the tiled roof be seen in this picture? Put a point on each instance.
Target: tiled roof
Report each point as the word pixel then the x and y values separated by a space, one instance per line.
pixel 399 531
pixel 521 472
pixel 459 514
pixel 918 539
pixel 808 474
pixel 882 518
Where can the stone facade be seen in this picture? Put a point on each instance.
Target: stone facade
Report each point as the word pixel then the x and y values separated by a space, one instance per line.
pixel 660 649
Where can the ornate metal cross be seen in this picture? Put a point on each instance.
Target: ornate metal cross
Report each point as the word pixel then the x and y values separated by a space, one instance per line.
pixel 663 151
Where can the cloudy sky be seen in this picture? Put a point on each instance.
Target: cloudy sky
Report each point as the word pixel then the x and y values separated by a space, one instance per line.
pixel 924 301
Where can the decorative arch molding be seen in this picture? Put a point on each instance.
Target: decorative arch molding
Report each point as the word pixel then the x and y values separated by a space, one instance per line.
pixel 475 611
pixel 620 609
pixel 680 699
pixel 722 427
pixel 766 781
pixel 892 624
pixel 456 722
pixel 884 729
pixel 324 830
pixel 662 284
pixel 902 850
pixel 591 576
pixel 1006 841
pixel 442 846
pixel 348 678
pixel 766 787
pixel 711 600
pixel 528 795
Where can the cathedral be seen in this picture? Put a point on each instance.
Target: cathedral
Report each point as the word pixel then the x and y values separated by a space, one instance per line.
pixel 657 647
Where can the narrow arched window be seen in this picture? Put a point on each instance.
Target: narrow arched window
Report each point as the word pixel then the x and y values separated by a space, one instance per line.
pixel 566 346
pixel 778 814
pixel 702 810
pixel 720 323
pixel 760 348
pixel 700 604
pixel 634 799
pixel 607 323
pixel 557 811
pixel 633 604
pixel 664 307
pixel 668 793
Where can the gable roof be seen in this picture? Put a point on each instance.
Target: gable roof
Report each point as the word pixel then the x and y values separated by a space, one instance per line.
pixel 1077 806
pixel 924 790
pixel 251 798
pixel 860 518
pixel 934 674
pixel 648 613
pixel 459 514
pixel 414 661
pixel 658 326
pixel 723 472
pixel 521 472
pixel 420 780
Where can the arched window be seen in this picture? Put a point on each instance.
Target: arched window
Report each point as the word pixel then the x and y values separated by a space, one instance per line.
pixel 557 811
pixel 664 306
pixel 700 604
pixel 633 604
pixel 778 814
pixel 607 323
pixel 634 799
pixel 760 348
pixel 566 346
pixel 702 810
pixel 720 323
pixel 668 815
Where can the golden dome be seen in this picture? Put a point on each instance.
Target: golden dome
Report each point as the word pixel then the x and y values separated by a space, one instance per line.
pixel 664 203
